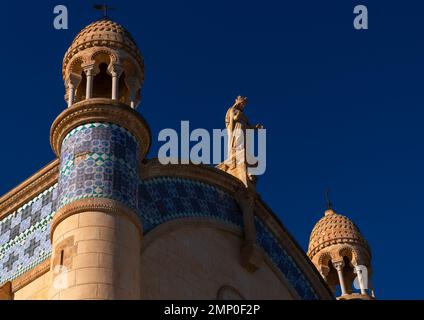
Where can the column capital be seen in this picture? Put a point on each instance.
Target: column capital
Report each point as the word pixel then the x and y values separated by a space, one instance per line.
pixel 324 270
pixel 115 69
pixel 73 79
pixel 338 265
pixel 90 69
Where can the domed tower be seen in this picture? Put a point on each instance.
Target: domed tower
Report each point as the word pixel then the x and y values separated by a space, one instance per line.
pixel 101 141
pixel 103 61
pixel 342 256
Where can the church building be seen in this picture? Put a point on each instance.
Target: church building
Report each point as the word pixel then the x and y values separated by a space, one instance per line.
pixel 103 221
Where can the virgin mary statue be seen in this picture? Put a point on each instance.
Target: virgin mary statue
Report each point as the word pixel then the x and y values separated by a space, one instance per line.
pixel 237 123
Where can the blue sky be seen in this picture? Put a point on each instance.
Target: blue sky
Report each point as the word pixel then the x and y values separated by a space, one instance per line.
pixel 343 108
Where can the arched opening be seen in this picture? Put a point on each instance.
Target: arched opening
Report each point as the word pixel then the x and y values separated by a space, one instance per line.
pixel 80 90
pixel 348 274
pixel 75 82
pixel 332 278
pixel 123 90
pixel 102 83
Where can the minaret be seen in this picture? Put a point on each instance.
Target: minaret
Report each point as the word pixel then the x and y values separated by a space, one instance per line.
pixel 342 256
pixel 101 140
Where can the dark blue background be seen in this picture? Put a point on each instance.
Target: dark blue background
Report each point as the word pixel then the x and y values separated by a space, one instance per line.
pixel 343 108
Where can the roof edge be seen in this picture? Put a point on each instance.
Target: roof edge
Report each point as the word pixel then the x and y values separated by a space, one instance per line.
pixel 28 189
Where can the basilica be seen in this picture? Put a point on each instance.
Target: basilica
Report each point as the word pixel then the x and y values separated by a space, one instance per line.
pixel 103 221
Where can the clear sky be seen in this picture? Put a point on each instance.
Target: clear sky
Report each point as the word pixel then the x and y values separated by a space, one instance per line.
pixel 343 108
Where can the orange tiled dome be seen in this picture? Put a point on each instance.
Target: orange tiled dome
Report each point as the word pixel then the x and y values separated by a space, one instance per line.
pixel 334 228
pixel 103 32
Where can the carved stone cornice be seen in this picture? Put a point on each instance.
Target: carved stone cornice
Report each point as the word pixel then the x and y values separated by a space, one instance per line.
pixel 152 168
pixel 134 51
pixel 30 188
pixel 104 205
pixel 100 110
pixel 339 241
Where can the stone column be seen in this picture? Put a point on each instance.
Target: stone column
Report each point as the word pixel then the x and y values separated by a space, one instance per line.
pixel 90 71
pixel 71 94
pixel 370 284
pixel 133 85
pixel 339 267
pixel 324 270
pixel 358 271
pixel 116 71
pixel 72 83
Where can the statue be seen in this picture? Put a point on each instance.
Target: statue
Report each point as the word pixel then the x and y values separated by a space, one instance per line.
pixel 237 124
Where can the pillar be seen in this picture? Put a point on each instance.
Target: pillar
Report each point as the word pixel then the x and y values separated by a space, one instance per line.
pixel 324 271
pixel 72 83
pixel 89 87
pixel 370 284
pixel 71 94
pixel 339 267
pixel 358 271
pixel 116 71
pixel 133 85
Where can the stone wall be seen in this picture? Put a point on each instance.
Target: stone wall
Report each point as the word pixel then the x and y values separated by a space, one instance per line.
pixel 199 262
pixel 35 290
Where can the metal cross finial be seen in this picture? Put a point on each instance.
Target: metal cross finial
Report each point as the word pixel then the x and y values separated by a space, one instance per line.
pixel 104 8
pixel 327 199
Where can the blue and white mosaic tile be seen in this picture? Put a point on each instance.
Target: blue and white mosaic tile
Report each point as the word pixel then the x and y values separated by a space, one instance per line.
pixel 99 160
pixel 283 261
pixel 25 235
pixel 164 199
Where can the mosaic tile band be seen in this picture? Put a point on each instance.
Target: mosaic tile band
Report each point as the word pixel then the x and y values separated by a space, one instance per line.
pixel 25 235
pixel 99 160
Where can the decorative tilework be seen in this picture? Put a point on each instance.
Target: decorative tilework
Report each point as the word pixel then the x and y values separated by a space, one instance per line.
pixel 25 235
pixel 164 199
pixel 283 261
pixel 99 160
pixel 167 198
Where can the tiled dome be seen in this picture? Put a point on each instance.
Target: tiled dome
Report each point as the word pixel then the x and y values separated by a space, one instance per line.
pixel 332 229
pixel 103 32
